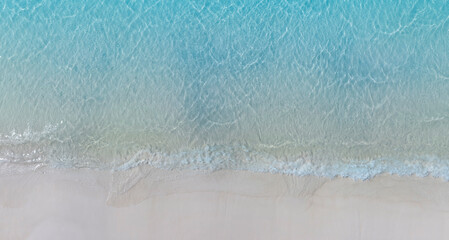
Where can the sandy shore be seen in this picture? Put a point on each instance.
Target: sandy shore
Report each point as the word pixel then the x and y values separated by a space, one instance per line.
pixel 146 203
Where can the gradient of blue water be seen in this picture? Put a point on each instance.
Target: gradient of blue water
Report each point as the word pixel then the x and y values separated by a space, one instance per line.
pixel 343 87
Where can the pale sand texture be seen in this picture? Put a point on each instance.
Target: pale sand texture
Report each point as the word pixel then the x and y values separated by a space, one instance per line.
pixel 146 203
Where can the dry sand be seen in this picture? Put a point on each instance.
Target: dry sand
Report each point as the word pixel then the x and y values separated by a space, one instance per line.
pixel 146 203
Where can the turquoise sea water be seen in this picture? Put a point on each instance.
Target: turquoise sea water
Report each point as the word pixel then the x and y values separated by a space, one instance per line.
pixel 350 88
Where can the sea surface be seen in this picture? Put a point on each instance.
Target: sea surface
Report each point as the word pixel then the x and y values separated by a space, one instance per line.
pixel 328 88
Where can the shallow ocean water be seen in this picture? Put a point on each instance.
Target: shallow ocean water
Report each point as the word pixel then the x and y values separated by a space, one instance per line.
pixel 349 88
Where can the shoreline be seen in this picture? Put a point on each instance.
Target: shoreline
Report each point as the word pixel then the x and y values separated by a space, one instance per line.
pixel 149 203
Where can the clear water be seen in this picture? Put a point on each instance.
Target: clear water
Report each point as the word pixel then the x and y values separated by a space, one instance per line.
pixel 350 88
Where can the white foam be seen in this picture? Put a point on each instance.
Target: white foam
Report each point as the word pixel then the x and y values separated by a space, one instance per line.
pixel 214 158
pixel 28 135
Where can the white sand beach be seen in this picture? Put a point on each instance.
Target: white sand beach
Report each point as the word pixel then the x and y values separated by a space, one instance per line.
pixel 146 203
pixel 303 120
